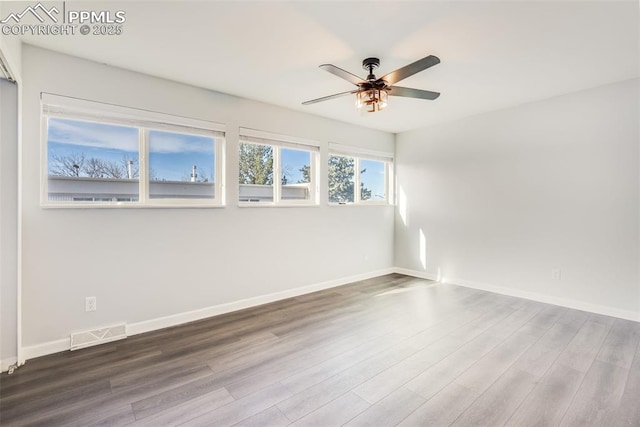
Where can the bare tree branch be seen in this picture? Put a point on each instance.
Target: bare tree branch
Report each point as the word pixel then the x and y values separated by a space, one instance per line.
pixel 70 165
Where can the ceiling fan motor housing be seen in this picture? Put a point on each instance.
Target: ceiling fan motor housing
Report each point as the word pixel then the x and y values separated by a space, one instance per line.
pixel 370 64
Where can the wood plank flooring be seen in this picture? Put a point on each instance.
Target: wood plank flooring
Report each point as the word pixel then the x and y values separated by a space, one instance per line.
pixel 392 350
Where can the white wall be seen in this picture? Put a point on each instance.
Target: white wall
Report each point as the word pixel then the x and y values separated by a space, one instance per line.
pixel 8 220
pixel 10 95
pixel 143 264
pixel 504 198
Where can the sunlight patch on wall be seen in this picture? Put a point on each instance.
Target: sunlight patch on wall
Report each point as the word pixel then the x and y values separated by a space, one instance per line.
pixel 402 206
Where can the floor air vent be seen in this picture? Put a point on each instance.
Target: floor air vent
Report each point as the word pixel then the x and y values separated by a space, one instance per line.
pixel 98 336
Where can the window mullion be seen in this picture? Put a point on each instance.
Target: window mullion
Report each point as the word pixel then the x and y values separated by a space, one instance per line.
pixel 314 176
pixel 277 178
pixel 44 164
pixel 356 181
pixel 219 162
pixel 143 165
pixel 388 183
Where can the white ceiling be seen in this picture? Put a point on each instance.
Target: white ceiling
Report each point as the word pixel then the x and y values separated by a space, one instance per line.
pixel 494 55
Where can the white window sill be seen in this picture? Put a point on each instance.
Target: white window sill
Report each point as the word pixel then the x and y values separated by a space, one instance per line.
pixel 276 205
pixel 333 205
pixel 130 205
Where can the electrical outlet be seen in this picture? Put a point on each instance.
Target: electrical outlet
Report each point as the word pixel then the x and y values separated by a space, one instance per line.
pixel 556 274
pixel 90 304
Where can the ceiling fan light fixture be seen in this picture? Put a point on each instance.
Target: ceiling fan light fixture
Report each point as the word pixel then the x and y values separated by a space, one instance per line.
pixel 371 100
pixel 372 94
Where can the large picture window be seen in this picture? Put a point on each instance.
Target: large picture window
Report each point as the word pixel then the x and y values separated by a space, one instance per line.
pixel 276 171
pixel 103 155
pixel 359 178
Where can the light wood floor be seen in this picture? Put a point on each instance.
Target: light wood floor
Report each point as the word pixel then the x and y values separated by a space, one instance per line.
pixel 385 351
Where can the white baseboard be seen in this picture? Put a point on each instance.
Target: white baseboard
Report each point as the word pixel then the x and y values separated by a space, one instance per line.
pixel 37 350
pixel 43 349
pixel 56 346
pixel 415 273
pixel 533 296
pixel 203 313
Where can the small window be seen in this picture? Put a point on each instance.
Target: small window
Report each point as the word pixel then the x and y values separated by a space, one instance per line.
pixel 92 162
pixel 181 166
pixel 358 179
pixel 275 171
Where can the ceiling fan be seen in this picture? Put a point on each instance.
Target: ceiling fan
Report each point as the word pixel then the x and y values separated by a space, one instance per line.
pixel 372 93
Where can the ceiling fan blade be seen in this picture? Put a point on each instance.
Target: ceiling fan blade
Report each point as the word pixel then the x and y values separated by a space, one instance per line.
pixel 326 98
pixel 409 70
pixel 343 74
pixel 412 93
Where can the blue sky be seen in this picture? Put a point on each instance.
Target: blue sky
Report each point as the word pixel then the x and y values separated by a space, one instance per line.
pixel 106 142
pixel 373 178
pixel 292 161
pixel 171 155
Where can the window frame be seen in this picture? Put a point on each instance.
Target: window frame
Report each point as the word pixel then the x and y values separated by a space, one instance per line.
pixel 359 154
pixel 278 142
pixel 56 106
